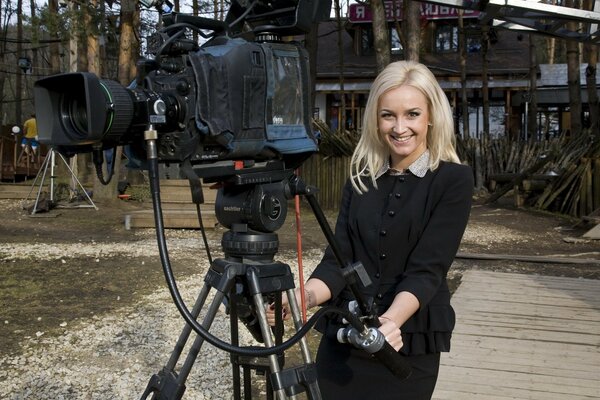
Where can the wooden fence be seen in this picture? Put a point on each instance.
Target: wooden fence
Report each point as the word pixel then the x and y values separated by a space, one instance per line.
pixel 574 190
pixel 328 174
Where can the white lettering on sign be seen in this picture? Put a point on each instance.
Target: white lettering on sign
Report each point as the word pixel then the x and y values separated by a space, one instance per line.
pixel 360 12
pixel 393 12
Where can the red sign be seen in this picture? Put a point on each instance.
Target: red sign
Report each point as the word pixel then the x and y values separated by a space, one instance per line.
pixel 362 13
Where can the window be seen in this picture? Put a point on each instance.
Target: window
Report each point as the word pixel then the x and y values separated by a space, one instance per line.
pixel 473 44
pixel 446 38
pixel 396 44
pixel 366 42
pixel 366 46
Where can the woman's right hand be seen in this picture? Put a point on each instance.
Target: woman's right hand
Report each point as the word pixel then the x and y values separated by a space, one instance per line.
pixel 285 309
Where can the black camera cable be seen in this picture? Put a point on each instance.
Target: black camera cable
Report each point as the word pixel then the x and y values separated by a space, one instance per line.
pixel 98 159
pixel 250 351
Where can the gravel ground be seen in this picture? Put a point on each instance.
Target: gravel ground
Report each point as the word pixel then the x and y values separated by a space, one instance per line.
pixel 113 356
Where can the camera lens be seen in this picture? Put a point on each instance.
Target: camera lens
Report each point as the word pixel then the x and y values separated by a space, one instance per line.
pixel 74 113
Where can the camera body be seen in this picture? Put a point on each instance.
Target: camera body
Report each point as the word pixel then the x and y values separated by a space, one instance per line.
pixel 231 98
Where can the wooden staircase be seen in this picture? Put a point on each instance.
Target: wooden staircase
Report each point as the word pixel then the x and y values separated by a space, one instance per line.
pixel 179 212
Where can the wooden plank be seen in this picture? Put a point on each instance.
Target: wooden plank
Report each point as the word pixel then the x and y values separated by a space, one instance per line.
pixel 470 381
pixel 588 338
pixel 19 191
pixel 593 233
pixel 526 321
pixel 523 337
pixel 547 310
pixel 178 191
pixel 511 380
pixel 527 348
pixel 579 297
pixel 514 360
pixel 527 258
pixel 172 219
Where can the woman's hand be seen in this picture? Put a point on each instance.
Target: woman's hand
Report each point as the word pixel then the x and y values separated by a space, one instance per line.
pixel 391 330
pixel 285 309
pixel 315 292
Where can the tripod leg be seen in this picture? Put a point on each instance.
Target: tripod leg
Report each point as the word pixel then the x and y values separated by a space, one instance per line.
pixel 199 341
pixel 41 171
pixel 297 317
pixel 312 387
pixel 185 333
pixel 39 193
pixel 167 385
pixel 74 176
pixel 259 305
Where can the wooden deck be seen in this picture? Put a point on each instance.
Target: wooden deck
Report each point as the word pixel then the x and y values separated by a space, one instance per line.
pixel 523 337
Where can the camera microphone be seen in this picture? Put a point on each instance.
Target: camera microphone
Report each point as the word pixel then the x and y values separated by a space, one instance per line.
pixel 373 342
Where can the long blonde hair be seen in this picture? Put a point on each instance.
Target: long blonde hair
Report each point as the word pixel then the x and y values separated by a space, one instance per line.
pixel 372 152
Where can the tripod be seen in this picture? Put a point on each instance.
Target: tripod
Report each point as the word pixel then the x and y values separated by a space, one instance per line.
pixel 252 202
pixel 244 278
pixel 50 162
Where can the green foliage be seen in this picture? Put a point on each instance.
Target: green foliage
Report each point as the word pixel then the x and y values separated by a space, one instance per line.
pixel 139 193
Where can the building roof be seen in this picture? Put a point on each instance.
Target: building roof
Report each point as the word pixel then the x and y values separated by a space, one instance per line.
pixel 508 58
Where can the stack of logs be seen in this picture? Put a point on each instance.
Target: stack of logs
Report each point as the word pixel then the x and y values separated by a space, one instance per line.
pixel 559 175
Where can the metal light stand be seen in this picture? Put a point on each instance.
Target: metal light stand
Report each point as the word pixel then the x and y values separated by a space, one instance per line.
pixel 50 161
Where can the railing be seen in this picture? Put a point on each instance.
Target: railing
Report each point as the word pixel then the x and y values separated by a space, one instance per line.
pixel 14 162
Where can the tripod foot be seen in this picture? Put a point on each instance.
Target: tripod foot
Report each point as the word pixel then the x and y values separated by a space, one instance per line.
pixel 164 386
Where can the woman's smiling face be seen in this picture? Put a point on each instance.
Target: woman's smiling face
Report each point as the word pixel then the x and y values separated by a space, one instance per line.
pixel 403 122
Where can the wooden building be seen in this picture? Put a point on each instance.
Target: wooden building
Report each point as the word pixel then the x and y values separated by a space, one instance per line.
pixel 508 63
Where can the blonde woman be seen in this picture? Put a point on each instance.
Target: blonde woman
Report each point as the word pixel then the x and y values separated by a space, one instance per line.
pixel 403 214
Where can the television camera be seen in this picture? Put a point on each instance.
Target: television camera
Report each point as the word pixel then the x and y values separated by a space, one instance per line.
pixel 234 111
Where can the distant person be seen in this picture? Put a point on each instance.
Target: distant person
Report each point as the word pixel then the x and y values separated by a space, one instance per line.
pixel 30 136
pixel 403 213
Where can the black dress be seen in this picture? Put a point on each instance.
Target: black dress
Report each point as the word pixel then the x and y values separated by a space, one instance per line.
pixel 406 234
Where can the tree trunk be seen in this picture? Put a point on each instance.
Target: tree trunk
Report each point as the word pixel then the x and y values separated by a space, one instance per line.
pixel 573 76
pixel 342 109
pixel 93 47
pixel 532 116
pixel 312 47
pixel 54 46
pixel 590 75
pixel 2 57
pixel 19 77
pixel 127 44
pixel 484 82
pixel 35 26
pixel 464 99
pixel 381 36
pixel 74 39
pixel 592 91
pixel 412 20
pixel 551 44
pixel 574 83
pixel 195 11
pixel 128 50
pixel 89 55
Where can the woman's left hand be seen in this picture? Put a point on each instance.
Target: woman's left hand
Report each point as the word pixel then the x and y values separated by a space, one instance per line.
pixel 391 331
